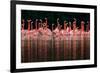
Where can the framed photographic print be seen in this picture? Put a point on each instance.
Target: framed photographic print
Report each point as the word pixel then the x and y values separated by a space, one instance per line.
pixel 51 36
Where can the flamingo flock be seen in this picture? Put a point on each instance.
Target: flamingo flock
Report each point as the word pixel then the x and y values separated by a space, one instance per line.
pixel 40 43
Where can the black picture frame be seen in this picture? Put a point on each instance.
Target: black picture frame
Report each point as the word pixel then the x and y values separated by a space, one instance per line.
pixel 13 36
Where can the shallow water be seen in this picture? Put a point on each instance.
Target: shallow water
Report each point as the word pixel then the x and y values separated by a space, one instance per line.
pixel 60 49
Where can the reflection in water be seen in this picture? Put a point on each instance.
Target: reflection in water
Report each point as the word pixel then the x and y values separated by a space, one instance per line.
pixel 51 48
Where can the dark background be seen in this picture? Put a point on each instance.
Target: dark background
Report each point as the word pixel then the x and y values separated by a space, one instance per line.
pixel 52 17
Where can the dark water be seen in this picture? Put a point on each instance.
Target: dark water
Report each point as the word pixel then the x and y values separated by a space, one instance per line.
pixel 40 50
